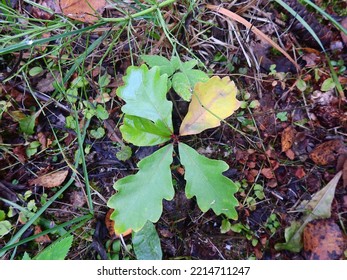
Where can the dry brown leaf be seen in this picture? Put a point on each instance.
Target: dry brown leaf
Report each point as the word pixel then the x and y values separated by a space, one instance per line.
pixel 287 138
pixel 327 152
pixel 43 239
pixel 19 151
pixel 323 240
pixel 268 173
pixel 46 84
pixel 87 11
pixel 254 30
pixel 300 173
pixel 77 199
pixel 110 226
pixel 50 180
pixel 290 154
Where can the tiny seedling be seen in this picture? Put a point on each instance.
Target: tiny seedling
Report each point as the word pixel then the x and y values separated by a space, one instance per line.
pixel 148 122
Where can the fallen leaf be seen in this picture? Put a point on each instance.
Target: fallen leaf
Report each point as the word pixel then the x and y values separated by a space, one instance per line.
pixel 327 152
pixel 110 226
pixel 43 239
pixel 19 151
pixel 39 13
pixel 290 154
pixel 88 11
pixel 323 240
pixel 212 102
pixel 42 139
pixel 50 180
pixel 77 199
pixel 318 207
pixel 47 84
pixel 330 116
pixel 287 138
pixel 300 173
pixel 268 173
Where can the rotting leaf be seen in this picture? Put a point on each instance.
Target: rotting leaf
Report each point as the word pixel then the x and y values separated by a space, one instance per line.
pixel 206 182
pixel 323 240
pixel 212 102
pixel 143 193
pixel 287 138
pixel 43 239
pixel 50 180
pixel 88 11
pixel 327 152
pixel 317 208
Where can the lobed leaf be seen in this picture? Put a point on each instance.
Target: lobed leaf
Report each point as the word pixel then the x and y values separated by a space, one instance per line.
pixel 165 65
pixel 212 101
pixel 139 197
pixel 206 182
pixel 145 95
pixel 143 132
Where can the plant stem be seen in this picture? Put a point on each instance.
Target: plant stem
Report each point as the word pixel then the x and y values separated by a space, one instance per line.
pixel 139 14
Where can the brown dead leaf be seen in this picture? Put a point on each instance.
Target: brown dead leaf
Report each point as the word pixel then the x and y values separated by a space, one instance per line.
pixel 87 11
pixel 323 240
pixel 268 173
pixel 42 139
pixel 46 84
pixel 287 138
pixel 41 239
pixel 330 116
pixel 290 154
pixel 19 151
pixel 50 180
pixel 110 226
pixel 42 14
pixel 272 183
pixel 327 152
pixel 77 199
pixel 300 173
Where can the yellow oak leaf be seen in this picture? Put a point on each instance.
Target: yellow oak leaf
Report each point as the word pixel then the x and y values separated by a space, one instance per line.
pixel 212 101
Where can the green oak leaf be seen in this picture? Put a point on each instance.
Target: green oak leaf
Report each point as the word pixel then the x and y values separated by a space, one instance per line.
pixel 139 197
pixel 184 82
pixel 165 65
pixel 205 181
pixel 146 243
pixel 145 95
pixel 143 132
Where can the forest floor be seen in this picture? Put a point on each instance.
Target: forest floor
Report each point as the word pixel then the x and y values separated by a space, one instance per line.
pixel 60 116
